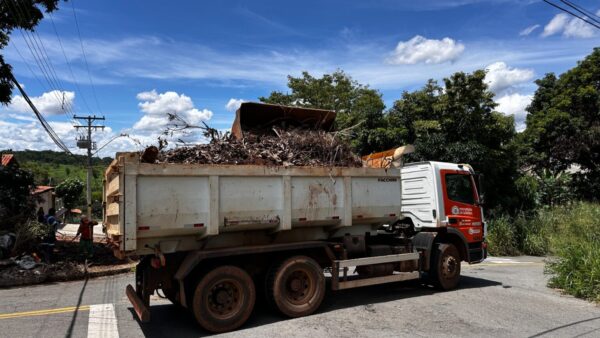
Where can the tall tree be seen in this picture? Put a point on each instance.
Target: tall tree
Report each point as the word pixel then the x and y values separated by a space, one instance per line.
pixel 18 14
pixel 356 106
pixel 458 124
pixel 563 125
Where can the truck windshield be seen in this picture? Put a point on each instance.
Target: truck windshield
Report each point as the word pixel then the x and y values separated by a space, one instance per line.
pixel 459 188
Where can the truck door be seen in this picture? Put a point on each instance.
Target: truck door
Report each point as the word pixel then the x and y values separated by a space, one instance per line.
pixel 461 204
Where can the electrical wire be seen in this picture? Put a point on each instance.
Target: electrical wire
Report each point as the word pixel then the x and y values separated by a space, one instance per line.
pixel 37 42
pixel 571 13
pixel 582 10
pixel 37 52
pixel 85 57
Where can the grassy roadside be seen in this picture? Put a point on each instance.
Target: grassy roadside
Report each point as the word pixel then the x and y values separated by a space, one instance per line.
pixel 570 234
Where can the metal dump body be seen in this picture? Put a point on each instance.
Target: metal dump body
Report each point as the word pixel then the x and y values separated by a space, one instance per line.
pixel 178 207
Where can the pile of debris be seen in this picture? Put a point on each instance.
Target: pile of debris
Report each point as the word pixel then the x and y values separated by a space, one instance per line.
pixel 281 148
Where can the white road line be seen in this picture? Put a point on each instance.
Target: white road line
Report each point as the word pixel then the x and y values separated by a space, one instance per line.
pixel 102 322
pixel 499 260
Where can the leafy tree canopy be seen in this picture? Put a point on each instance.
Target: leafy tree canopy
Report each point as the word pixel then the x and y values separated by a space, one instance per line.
pixel 16 202
pixel 71 191
pixel 563 124
pixel 458 123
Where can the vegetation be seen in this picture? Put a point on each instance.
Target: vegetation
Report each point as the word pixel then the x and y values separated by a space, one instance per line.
pixel 71 192
pixel 16 201
pixel 568 233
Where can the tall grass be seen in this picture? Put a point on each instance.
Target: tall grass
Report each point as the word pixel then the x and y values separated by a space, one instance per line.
pixel 569 234
pixel 576 248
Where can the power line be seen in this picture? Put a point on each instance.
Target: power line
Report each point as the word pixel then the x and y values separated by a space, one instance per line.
pixel 582 10
pixel 66 106
pixel 84 56
pixel 36 52
pixel 573 14
pixel 68 63
pixel 55 138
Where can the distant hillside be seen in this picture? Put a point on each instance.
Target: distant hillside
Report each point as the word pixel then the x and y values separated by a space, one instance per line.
pixel 54 157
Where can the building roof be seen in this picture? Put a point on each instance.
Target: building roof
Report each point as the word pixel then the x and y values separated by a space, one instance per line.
pixel 7 159
pixel 42 188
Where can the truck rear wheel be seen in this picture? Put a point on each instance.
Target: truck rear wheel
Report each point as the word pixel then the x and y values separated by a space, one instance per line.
pixel 224 299
pixel 445 268
pixel 296 287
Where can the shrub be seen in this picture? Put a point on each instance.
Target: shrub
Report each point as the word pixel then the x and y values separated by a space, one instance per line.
pixel 501 237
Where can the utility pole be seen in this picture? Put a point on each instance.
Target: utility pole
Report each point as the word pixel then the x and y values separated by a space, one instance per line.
pixel 86 143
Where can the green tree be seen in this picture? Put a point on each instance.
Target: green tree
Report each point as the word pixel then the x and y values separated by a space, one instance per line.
pixel 356 106
pixel 16 202
pixel 71 191
pixel 18 14
pixel 458 124
pixel 563 125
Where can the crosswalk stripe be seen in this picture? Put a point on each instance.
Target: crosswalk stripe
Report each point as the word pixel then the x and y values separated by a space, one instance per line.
pixel 102 322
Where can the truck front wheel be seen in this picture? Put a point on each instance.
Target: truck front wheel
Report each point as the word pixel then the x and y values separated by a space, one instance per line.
pixel 296 287
pixel 224 299
pixel 445 268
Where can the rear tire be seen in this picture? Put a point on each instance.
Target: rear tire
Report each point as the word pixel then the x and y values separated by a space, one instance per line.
pixel 445 267
pixel 223 299
pixel 296 287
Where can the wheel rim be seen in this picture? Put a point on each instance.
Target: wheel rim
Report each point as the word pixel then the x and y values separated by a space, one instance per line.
pixel 225 298
pixel 449 267
pixel 299 287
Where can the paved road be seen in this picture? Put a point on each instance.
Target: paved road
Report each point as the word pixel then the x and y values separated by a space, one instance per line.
pixel 499 298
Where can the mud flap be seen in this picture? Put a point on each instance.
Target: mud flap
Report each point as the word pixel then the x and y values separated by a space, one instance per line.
pixel 141 309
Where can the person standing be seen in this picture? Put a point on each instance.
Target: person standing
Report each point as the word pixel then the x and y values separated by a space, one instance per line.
pixel 86 230
pixel 49 239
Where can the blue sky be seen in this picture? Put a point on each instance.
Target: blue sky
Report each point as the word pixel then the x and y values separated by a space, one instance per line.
pixel 147 58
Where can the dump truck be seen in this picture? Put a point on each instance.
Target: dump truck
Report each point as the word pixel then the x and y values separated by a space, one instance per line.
pixel 216 239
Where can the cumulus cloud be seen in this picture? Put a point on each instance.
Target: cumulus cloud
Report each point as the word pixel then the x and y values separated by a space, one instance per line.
pixel 156 107
pixel 515 104
pixel 528 30
pixel 568 27
pixel 500 76
pixel 50 103
pixel 234 104
pixel 422 50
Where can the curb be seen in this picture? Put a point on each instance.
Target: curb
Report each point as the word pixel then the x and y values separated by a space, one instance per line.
pixel 51 277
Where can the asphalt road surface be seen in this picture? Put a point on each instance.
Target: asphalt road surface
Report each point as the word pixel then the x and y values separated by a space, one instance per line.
pixel 498 298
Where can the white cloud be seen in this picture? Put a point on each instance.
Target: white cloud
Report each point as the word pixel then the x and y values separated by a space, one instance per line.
pixel 577 28
pixel 157 106
pixel 515 104
pixel 50 103
pixel 422 50
pixel 569 27
pixel 233 104
pixel 500 77
pixel 528 30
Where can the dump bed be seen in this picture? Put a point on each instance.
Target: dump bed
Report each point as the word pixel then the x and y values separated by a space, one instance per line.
pixel 176 207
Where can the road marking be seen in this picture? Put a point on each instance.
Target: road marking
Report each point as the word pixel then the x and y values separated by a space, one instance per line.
pixel 44 312
pixel 102 321
pixel 498 260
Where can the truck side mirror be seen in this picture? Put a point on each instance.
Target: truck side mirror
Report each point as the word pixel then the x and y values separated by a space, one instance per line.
pixel 480 189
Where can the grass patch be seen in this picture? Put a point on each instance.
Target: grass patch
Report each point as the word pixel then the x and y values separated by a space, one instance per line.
pixel 570 234
pixel 576 247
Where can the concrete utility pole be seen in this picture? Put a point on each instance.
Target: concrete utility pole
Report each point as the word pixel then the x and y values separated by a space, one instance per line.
pixel 86 143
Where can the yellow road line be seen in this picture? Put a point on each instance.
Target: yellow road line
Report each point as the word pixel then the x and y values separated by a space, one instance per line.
pixel 44 312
